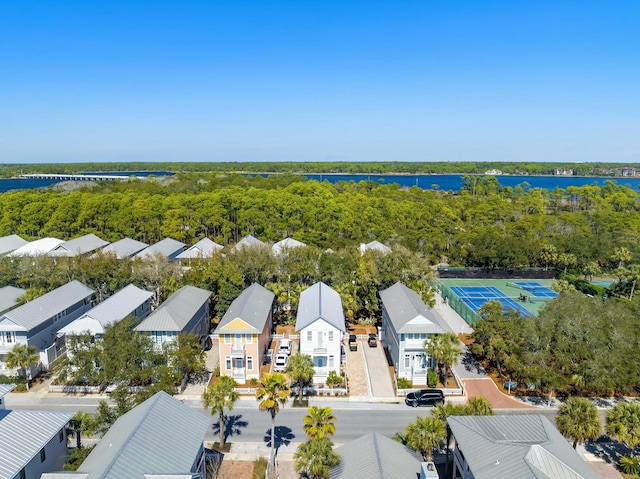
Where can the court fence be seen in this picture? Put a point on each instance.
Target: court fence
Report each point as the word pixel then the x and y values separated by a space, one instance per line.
pixel 496 273
pixel 459 306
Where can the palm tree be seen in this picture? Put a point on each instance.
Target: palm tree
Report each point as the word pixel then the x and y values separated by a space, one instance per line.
pixel 566 260
pixel 578 420
pixel 220 396
pixel 621 255
pixel 318 424
pixel 81 421
pixel 273 394
pixel 451 352
pixel 478 406
pixel 315 458
pixel 623 423
pixel 300 369
pixel 22 356
pixel 442 412
pixel 425 434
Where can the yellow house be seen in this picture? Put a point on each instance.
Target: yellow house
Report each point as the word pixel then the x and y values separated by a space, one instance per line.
pixel 245 333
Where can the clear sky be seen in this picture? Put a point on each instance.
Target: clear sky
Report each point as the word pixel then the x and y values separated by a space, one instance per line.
pixel 323 80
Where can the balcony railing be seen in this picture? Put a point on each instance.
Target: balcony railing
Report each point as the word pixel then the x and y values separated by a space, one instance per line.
pixel 237 350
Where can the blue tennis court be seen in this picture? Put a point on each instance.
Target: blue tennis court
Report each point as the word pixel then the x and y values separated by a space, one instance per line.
pixel 536 289
pixel 477 296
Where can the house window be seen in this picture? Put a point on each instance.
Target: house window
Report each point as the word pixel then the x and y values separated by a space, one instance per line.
pixel 239 339
pixel 227 362
pixel 159 337
pixel 309 335
pixel 227 339
pixel 249 338
pixel 61 435
pixel 23 475
pixel 43 456
pixel 330 362
pixel 250 363
pixel 330 336
pixel 9 337
pixel 407 360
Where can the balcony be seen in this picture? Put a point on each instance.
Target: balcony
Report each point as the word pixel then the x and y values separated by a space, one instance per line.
pixel 237 350
pixel 319 350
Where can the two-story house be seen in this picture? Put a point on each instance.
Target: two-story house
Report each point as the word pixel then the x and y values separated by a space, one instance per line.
pixel 245 333
pixel 406 323
pixel 186 311
pixel 82 245
pixel 320 323
pixel 37 322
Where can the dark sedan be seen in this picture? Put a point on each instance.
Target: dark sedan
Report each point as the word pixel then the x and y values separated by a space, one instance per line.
pixel 424 397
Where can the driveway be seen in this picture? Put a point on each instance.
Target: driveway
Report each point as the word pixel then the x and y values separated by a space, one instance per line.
pixel 378 369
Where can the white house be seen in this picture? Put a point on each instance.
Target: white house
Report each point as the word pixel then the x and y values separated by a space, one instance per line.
pixel 320 323
pixel 248 241
pixel 37 322
pixel 205 248
pixel 79 246
pixel 124 248
pixel 374 246
pixel 37 247
pixel 286 244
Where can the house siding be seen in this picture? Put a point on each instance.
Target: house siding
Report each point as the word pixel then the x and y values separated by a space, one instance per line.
pixel 320 346
pixel 55 456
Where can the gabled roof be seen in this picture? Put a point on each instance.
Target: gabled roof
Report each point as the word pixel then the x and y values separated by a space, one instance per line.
pixel 375 456
pixel 376 246
pixel 125 248
pixel 248 242
pixel 37 247
pixel 161 436
pixel 408 313
pixel 33 313
pixel 251 307
pixel 79 246
pixel 168 248
pixel 9 297
pixel 111 310
pixel 23 434
pixel 176 312
pixel 516 447
pixel 320 302
pixel 11 243
pixel 6 389
pixel 286 244
pixel 204 248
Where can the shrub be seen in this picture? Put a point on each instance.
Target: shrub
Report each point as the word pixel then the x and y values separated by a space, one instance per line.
pixel 216 372
pixel 404 383
pixel 253 381
pixel 260 467
pixel 334 380
pixel 432 378
pixel 367 321
pixel 630 465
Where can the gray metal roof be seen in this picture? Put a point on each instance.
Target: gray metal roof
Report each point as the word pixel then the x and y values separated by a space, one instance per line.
pixel 9 296
pixel 11 243
pixel 37 247
pixel 160 436
pixel 320 302
pixel 6 389
pixel 252 306
pixel 375 456
pixel 125 248
pixel 176 312
pixel 285 244
pixel 23 434
pixel 33 313
pixel 202 249
pixel 377 246
pixel 516 447
pixel 168 248
pixel 79 246
pixel 249 241
pixel 408 313
pixel 111 310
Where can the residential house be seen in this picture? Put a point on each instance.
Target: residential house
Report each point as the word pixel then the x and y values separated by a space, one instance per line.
pixel 186 311
pixel 320 323
pixel 406 323
pixel 124 248
pixel 129 301
pixel 37 247
pixel 31 442
pixel 11 243
pixel 627 171
pixel 205 248
pixel 248 241
pixel 167 248
pixel 375 456
pixel 79 246
pixel 286 244
pixel 374 246
pixel 504 447
pixel 161 438
pixel 9 297
pixel 563 172
pixel 37 322
pixel 245 333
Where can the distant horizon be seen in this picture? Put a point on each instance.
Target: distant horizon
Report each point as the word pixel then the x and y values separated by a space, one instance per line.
pixel 283 81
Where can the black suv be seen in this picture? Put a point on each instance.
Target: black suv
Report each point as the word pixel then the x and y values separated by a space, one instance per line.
pixel 424 397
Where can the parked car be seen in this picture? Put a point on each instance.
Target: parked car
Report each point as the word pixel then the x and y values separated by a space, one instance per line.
pixel 308 390
pixel 353 343
pixel 424 397
pixel 373 341
pixel 280 363
pixel 285 347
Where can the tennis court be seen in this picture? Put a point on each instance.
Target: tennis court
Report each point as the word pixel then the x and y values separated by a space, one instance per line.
pixel 536 289
pixel 477 296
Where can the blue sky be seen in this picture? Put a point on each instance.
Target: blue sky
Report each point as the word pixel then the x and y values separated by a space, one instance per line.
pixel 319 81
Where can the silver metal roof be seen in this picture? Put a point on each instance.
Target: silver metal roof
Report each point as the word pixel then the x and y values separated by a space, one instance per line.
pixel 285 244
pixel 33 313
pixel 124 248
pixel 320 302
pixel 160 436
pixel 111 310
pixel 9 296
pixel 375 456
pixel 11 243
pixel 6 389
pixel 79 246
pixel 204 248
pixel 516 447
pixel 37 247
pixel 252 306
pixel 23 434
pixel 377 246
pixel 249 241
pixel 168 248
pixel 408 313
pixel 176 312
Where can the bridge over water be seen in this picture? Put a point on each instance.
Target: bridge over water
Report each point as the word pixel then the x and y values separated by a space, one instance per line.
pixel 63 177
